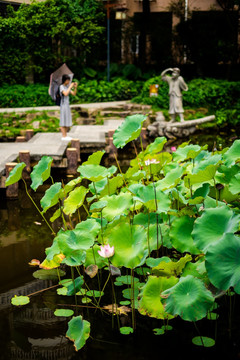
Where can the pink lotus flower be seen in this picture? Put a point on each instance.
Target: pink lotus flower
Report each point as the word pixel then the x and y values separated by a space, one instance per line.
pixel 106 251
pixel 151 161
pixel 173 148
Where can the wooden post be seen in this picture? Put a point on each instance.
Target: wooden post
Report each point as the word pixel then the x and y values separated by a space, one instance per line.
pixel 75 143
pixel 20 139
pixel 144 137
pixel 72 160
pixel 29 134
pixel 11 190
pixel 24 156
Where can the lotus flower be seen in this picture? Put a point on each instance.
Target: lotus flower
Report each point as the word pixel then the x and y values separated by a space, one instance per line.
pixel 106 251
pixel 173 148
pixel 151 161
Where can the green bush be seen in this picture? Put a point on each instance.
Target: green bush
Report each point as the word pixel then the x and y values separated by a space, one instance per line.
pixel 88 91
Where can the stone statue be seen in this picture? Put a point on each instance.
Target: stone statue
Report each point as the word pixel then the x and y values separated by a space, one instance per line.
pixel 176 86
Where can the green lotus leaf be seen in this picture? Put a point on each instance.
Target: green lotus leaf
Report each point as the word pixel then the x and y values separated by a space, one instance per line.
pixel 167 267
pixel 95 293
pixel 151 262
pixel 144 219
pixel 213 225
pixel 127 279
pixel 86 300
pixel 133 173
pixel 129 130
pixel 130 245
pixel 201 177
pixel 153 198
pixel 75 200
pixel 156 240
pixel 51 196
pixel 48 274
pixel 74 286
pixel 63 312
pixel 211 160
pixel 156 146
pixel 202 191
pixel 151 303
pixel 203 341
pixel 117 205
pixel 232 154
pixel 178 196
pixel 212 316
pixel 180 235
pixel 171 179
pixel 89 227
pixel 158 331
pixel 126 330
pixel 189 299
pixel 222 262
pixel 20 300
pixel 78 331
pixel 41 172
pixel 125 302
pixel 76 258
pixel 95 158
pixel 197 270
pixel 97 186
pixel 167 327
pixel 71 185
pixel 94 258
pixel 112 185
pixel 95 172
pixel 98 205
pixel 56 215
pixel 129 293
pixel 185 152
pixel 15 174
pixel 62 291
pixel 234 185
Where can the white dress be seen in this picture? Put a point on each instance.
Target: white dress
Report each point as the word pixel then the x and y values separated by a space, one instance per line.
pixel 65 111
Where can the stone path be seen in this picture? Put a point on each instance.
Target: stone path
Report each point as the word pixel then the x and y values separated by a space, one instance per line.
pixel 91 137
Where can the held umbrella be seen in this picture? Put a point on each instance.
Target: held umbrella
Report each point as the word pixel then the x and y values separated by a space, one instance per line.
pixel 56 79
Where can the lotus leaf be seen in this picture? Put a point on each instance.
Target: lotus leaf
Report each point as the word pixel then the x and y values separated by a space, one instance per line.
pixel 95 158
pixel 74 286
pixel 126 330
pixel 78 331
pixel 203 176
pixel 232 154
pixel 203 341
pixel 156 146
pixel 180 235
pixel 20 300
pixel 151 303
pixel 94 258
pixel 51 196
pixel 48 274
pixel 222 262
pixel 15 174
pixel 160 239
pixel 117 205
pixel 167 267
pixel 213 225
pixel 186 152
pixel 153 198
pixel 129 130
pixel 75 200
pixel 189 299
pixel 130 244
pixel 56 215
pixel 71 185
pixel 63 312
pixel 158 331
pixel 41 172
pixel 171 179
pixel 51 264
pixel 95 172
pixel 234 185
pixel 112 185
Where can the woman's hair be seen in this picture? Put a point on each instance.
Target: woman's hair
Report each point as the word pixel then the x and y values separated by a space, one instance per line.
pixel 65 77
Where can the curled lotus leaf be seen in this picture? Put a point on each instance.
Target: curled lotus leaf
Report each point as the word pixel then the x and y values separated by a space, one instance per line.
pixel 94 172
pixel 167 267
pixel 171 179
pixel 189 299
pixel 78 331
pixel 151 303
pixel 232 154
pixel 75 200
pixel 129 130
pixel 41 172
pixel 91 270
pixel 117 205
pixel 156 146
pixel 51 196
pixel 222 262
pixel 213 225
pixel 94 158
pixel 15 174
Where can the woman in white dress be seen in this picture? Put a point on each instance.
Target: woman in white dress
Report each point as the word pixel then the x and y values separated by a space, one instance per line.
pixel 65 112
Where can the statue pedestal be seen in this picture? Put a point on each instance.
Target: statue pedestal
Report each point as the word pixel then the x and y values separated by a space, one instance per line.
pixel 176 129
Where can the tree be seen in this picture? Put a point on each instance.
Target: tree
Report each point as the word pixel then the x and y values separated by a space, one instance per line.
pixel 42 35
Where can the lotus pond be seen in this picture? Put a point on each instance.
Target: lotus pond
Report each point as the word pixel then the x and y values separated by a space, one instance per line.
pixel 136 261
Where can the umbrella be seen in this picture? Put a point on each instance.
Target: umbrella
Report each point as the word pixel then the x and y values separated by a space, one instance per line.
pixel 56 79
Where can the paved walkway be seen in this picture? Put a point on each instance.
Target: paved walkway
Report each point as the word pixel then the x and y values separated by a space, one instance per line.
pixel 91 137
pixel 53 108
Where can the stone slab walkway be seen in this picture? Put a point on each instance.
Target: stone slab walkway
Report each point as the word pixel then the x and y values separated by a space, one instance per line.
pixel 92 137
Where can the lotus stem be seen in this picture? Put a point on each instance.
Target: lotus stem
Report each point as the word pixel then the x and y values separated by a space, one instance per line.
pixel 199 333
pixel 94 258
pixel 38 208
pixel 139 163
pixel 72 274
pixel 95 191
pixel 148 234
pixel 114 296
pixel 132 299
pixel 103 288
pixel 85 208
pixel 119 168
pixel 58 272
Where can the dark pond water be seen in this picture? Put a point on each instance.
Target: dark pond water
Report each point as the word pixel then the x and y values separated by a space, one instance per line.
pixel 33 332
